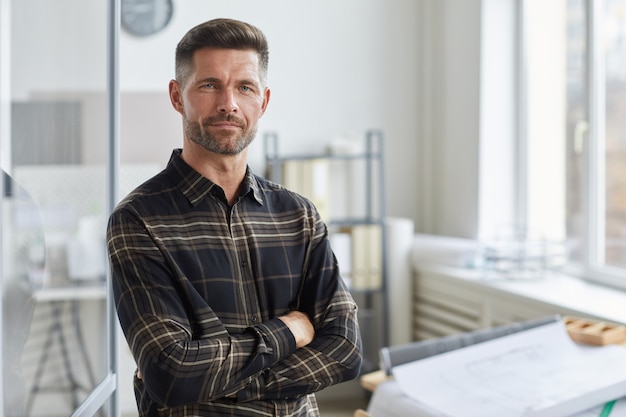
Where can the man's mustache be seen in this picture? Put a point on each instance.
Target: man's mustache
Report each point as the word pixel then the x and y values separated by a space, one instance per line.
pixel 225 118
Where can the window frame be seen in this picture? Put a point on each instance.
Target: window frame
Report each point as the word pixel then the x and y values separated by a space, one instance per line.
pixel 591 267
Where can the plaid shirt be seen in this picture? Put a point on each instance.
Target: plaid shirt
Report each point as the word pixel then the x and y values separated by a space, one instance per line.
pixel 199 285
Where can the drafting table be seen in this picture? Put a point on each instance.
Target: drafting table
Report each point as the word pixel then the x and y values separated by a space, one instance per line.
pixel 520 371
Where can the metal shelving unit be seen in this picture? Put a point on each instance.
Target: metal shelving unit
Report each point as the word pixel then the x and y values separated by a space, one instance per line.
pixel 373 309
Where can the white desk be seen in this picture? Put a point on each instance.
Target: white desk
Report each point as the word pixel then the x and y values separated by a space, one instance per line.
pixel 65 300
pixel 90 291
pixel 389 401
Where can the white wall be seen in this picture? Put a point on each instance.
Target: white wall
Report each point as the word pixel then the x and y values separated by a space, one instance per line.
pixel 407 67
pixel 335 68
pixel 40 62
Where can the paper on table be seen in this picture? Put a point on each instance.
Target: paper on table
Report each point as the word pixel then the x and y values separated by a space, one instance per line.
pixel 540 372
pixel 618 409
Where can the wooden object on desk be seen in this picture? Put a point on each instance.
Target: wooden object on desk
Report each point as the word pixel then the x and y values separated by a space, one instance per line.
pixel 361 413
pixel 594 332
pixel 371 380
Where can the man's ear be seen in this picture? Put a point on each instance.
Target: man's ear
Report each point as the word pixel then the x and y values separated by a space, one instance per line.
pixel 266 100
pixel 176 96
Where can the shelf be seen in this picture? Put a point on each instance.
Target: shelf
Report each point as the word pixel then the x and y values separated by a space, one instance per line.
pixel 366 291
pixel 373 150
pixel 359 184
pixel 330 156
pixel 346 222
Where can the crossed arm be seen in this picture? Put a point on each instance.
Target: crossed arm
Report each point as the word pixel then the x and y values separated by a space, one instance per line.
pixel 298 324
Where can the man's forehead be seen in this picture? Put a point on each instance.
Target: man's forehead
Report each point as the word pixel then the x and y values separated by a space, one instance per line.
pixel 226 63
pixel 218 55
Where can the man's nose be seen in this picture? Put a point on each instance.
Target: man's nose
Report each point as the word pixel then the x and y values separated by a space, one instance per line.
pixel 227 102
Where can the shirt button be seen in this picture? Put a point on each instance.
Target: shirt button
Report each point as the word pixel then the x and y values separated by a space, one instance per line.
pixel 244 264
pixel 253 318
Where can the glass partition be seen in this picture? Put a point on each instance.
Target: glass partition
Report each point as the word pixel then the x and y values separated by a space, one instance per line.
pixel 54 145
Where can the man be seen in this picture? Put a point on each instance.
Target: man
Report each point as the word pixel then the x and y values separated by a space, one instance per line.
pixel 225 284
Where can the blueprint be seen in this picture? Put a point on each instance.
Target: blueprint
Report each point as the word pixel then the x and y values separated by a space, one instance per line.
pixel 617 409
pixel 539 372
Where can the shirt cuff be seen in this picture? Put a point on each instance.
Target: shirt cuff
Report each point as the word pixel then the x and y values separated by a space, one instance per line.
pixel 278 337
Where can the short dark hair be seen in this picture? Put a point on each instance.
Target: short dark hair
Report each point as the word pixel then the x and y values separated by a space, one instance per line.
pixel 224 34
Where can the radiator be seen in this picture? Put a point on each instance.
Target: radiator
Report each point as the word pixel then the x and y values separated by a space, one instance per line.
pixel 445 305
pixel 438 312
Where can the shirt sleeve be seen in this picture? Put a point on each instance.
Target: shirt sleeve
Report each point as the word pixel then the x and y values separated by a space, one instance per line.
pixel 335 354
pixel 176 368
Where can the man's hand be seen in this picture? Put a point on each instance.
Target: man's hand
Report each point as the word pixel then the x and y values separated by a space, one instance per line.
pixel 300 326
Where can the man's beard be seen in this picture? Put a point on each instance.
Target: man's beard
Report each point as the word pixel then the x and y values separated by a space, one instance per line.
pixel 212 142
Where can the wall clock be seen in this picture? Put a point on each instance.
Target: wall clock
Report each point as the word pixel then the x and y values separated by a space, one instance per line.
pixel 146 17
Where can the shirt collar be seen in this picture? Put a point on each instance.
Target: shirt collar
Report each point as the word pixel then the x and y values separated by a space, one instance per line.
pixel 251 186
pixel 196 187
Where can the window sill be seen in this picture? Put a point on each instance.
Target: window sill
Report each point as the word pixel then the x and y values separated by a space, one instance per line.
pixel 570 295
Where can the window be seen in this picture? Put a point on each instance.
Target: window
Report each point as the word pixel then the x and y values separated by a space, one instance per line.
pixel 574 124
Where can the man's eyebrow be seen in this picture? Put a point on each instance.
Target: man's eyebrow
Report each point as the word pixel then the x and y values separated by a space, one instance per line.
pixel 213 80
pixel 208 80
pixel 249 83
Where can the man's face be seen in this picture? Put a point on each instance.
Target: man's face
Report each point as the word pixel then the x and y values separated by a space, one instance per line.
pixel 222 100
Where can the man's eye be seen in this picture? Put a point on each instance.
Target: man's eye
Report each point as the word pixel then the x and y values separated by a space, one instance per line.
pixel 245 88
pixel 208 86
